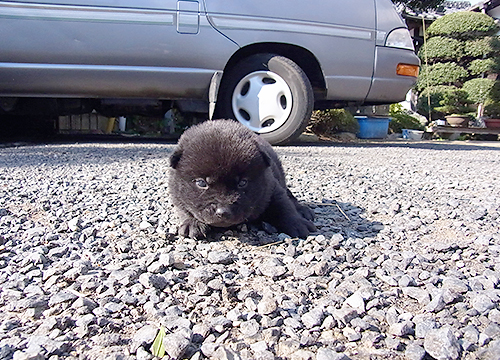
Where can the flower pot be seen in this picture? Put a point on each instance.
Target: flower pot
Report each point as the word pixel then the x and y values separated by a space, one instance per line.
pixel 372 127
pixel 492 123
pixel 457 120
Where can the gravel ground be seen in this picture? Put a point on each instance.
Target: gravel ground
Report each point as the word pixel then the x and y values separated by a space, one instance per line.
pixel 405 263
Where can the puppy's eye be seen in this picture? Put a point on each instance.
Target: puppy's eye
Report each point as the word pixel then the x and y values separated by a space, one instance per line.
pixel 242 183
pixel 202 184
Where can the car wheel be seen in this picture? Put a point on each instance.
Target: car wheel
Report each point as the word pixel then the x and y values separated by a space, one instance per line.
pixel 269 94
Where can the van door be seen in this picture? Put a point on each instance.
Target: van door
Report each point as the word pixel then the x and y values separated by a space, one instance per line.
pixel 113 48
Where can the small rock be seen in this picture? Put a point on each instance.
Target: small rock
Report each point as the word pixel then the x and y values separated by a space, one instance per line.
pixel 143 337
pixel 329 354
pixel 208 348
pixel 482 303
pixel 442 344
pixel 402 329
pixel 422 328
pixel 455 285
pixel 414 352
pixel 351 334
pixel 61 297
pixel 287 347
pixel 74 224
pixel 406 281
pixel 357 302
pixel 393 343
pixel 491 352
pixel 437 303
pixel 272 267
pixel 144 225
pixel 113 307
pixel 176 344
pixel 471 334
pixel 344 314
pixel 150 281
pixel 200 274
pixel 200 332
pixel 312 318
pixel 224 353
pixel 84 305
pixel 494 315
pixel 302 355
pixel 31 353
pixel 267 305
pixel 249 328
pixel 220 257
pixel 419 294
pixel 142 354
pixel 441 246
pixel 85 320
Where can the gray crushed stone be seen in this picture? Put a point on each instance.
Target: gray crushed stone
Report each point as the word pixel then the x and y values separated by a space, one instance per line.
pixel 405 263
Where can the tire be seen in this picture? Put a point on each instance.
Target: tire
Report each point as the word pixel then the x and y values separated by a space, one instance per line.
pixel 269 94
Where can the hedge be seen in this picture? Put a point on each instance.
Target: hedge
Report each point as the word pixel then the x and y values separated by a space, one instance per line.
pixel 436 95
pixel 482 91
pixel 400 119
pixel 486 46
pixel 442 48
pixel 440 74
pixel 488 66
pixel 463 24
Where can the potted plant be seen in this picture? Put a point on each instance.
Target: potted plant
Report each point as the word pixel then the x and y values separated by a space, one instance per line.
pixel 455 105
pixel 492 116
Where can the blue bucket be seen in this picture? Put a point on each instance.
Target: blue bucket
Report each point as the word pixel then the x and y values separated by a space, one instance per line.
pixel 372 127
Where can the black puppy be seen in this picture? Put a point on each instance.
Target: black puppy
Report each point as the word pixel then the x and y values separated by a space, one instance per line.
pixel 223 175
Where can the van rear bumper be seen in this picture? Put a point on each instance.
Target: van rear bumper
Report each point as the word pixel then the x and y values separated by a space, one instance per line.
pixel 387 86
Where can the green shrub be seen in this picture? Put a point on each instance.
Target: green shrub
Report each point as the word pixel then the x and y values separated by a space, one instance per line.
pixel 463 24
pixel 479 48
pixel 492 110
pixel 442 48
pixel 329 122
pixel 436 94
pixel 482 91
pixel 454 102
pixel 440 74
pixel 480 66
pixel 400 120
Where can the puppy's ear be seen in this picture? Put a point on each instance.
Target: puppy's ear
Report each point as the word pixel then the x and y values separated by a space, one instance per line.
pixel 265 154
pixel 266 158
pixel 175 158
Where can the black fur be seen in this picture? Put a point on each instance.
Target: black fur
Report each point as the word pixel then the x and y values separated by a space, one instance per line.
pixel 222 174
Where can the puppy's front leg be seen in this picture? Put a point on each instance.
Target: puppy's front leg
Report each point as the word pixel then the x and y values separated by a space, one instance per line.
pixel 282 213
pixel 192 228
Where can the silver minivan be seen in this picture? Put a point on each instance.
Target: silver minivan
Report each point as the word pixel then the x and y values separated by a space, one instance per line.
pixel 267 64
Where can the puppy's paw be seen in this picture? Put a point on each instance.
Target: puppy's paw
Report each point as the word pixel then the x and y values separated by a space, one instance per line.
pixel 193 229
pixel 297 227
pixel 305 211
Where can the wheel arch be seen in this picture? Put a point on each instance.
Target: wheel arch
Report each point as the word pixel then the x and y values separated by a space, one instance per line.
pixel 302 57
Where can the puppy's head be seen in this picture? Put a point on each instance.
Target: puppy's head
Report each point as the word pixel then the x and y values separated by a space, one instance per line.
pixel 220 174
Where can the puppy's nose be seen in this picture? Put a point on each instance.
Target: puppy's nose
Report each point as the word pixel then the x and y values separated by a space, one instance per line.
pixel 223 212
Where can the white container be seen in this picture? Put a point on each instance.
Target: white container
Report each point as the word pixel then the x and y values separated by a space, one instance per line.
pixel 412 134
pixel 122 124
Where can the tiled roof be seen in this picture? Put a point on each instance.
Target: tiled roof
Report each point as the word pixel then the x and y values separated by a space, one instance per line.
pixel 448 7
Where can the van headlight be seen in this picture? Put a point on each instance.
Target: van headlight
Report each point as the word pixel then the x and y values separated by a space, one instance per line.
pixel 400 38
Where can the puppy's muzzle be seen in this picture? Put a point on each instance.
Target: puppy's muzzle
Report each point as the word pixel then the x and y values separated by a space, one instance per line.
pixel 223 212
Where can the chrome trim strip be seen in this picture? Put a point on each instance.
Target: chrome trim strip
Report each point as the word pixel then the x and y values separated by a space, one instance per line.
pixel 232 22
pixel 119 68
pixel 16 10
